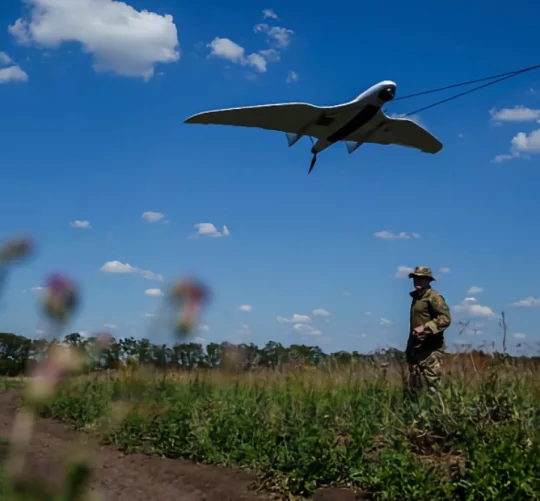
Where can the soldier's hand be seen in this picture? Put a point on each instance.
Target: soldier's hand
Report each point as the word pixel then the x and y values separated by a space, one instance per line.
pixel 418 332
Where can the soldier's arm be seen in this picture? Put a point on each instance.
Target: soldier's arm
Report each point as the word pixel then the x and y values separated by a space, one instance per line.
pixel 442 318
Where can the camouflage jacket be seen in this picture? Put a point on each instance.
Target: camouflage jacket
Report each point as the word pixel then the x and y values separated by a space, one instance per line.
pixel 429 308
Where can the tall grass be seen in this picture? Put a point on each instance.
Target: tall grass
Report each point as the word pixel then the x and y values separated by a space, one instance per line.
pixel 303 430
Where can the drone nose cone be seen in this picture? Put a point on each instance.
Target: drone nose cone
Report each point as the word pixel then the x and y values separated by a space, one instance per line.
pixel 388 93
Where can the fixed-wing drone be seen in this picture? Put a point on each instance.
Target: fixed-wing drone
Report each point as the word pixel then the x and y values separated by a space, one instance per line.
pixel 356 122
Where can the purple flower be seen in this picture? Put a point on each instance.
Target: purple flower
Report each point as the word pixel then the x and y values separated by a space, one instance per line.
pixel 62 297
pixel 191 295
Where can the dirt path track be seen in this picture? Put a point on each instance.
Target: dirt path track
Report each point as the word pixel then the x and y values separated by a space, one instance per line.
pixel 137 477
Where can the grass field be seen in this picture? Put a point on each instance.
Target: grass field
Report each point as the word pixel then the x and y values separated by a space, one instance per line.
pixel 313 428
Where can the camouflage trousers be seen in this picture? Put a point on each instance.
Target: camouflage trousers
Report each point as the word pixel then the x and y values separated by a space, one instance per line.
pixel 425 367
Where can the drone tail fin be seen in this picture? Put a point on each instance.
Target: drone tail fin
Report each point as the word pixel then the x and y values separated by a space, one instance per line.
pixel 292 138
pixel 352 146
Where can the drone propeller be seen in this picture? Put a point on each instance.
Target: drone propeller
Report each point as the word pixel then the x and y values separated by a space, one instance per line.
pixel 313 160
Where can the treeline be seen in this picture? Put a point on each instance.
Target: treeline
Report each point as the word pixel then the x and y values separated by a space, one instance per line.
pixel 19 354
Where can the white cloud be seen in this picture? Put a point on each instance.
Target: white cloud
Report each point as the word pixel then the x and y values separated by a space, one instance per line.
pixel 403 271
pixel 504 157
pixel 5 59
pixel 269 13
pixel 149 315
pixel 520 335
pixel 12 74
pixel 292 76
pixel 150 275
pixel 245 307
pixel 118 267
pixel 527 143
pixel 271 55
pixel 517 114
pixel 38 290
pixel 152 217
pixel 470 307
pixel 388 235
pixel 281 37
pixel 474 289
pixel 80 224
pixel 111 326
pixel 203 328
pixel 320 312
pixel 521 145
pixel 346 293
pixel 278 37
pixel 530 302
pixel 444 269
pixel 119 38
pixel 225 48
pixel 367 313
pixel 153 292
pixel 296 318
pixel 385 321
pixel 209 230
pixel 306 329
pixel 257 61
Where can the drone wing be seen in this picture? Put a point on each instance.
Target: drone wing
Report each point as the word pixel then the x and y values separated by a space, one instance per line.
pixel 402 132
pixel 292 118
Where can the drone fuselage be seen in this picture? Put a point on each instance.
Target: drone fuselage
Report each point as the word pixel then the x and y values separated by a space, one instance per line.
pixel 356 115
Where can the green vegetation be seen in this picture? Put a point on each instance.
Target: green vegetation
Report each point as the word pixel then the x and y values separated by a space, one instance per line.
pixel 315 427
pixel 303 418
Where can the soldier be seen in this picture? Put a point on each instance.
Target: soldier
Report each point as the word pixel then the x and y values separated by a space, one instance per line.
pixel 430 317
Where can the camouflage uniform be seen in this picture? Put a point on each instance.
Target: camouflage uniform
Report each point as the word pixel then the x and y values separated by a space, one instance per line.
pixel 425 351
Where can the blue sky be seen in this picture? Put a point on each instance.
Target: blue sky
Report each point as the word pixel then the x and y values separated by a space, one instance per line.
pixel 93 97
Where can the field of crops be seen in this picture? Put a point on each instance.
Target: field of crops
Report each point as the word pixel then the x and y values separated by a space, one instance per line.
pixel 481 440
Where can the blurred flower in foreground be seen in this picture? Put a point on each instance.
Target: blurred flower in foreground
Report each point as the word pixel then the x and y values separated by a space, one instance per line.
pixel 61 361
pixel 104 340
pixel 61 299
pixel 189 295
pixel 14 249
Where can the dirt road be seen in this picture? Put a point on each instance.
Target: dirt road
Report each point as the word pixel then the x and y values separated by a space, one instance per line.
pixel 136 477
